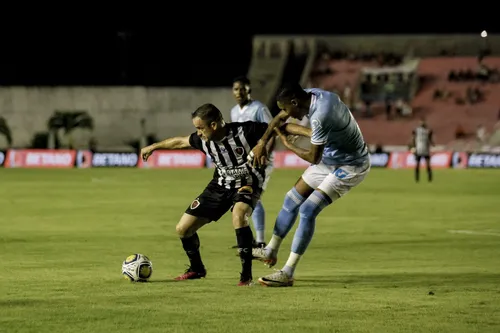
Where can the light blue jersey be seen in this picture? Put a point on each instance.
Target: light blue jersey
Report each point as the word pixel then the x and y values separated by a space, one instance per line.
pixel 253 111
pixel 334 126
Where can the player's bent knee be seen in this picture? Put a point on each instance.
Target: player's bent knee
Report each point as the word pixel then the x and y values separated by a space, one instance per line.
pixel 181 230
pixel 241 214
pixel 314 204
pixel 303 188
pixel 188 225
pixel 293 200
pixel 306 208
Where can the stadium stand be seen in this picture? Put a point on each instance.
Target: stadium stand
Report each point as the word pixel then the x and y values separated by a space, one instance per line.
pixel 277 60
pixel 453 92
pixel 459 97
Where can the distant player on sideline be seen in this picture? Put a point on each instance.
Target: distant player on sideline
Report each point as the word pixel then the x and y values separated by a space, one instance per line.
pixel 421 147
pixel 235 185
pixel 249 109
pixel 340 161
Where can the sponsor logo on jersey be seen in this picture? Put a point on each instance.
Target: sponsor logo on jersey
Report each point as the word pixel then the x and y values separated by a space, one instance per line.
pixel 237 172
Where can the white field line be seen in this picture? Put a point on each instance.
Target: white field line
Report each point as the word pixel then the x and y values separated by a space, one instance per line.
pixel 473 232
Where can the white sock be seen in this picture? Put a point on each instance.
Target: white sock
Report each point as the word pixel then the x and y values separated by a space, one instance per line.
pixel 274 244
pixel 291 263
pixel 260 236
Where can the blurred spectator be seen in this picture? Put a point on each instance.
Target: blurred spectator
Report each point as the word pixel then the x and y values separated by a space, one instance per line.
pixel 441 94
pixel 322 66
pixel 460 132
pixel 143 139
pixel 368 109
pixel 494 139
pixel 403 109
pixel 347 95
pixel 473 95
pixel 483 73
pixel 93 144
pixel 379 149
pixel 389 88
pixel 5 131
pixel 481 134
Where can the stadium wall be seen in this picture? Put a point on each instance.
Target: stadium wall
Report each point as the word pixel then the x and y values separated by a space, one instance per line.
pixel 116 111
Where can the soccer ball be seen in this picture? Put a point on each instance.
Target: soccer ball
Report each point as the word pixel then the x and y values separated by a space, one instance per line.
pixel 137 268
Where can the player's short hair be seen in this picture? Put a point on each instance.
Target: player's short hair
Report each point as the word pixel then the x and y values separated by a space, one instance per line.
pixel 289 91
pixel 208 113
pixel 242 79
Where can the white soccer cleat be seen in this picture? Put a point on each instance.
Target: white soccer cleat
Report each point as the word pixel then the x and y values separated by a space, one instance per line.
pixel 260 254
pixel 276 279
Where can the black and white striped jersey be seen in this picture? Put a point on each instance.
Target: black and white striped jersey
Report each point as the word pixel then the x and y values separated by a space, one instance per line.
pixel 423 139
pixel 230 155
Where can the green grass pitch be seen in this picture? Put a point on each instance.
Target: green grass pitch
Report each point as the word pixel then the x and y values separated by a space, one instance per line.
pixel 392 256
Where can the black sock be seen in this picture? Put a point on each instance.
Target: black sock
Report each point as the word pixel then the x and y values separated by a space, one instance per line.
pixel 192 247
pixel 429 174
pixel 417 173
pixel 244 237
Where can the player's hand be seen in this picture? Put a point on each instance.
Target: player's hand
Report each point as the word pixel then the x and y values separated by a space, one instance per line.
pixel 258 156
pixel 146 152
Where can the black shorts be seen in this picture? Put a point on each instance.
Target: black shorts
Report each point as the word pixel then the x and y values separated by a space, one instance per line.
pixel 216 200
pixel 419 157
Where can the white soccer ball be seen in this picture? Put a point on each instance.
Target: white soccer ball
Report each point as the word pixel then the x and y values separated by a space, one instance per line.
pixel 137 268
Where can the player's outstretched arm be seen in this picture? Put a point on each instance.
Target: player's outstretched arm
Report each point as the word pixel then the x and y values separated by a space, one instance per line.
pixel 171 143
pixel 294 129
pixel 313 155
pixel 271 144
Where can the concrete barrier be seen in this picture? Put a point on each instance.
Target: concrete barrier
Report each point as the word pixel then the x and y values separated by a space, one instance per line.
pixel 117 111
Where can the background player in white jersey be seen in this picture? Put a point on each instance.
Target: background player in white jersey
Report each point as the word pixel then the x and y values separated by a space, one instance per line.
pixel 249 109
pixel 421 147
pixel 340 161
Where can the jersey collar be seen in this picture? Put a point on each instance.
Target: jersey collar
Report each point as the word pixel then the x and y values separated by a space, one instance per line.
pixel 312 107
pixel 241 109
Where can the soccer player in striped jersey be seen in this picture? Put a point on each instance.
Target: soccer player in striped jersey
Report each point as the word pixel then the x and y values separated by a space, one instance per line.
pixel 235 186
pixel 339 162
pixel 421 147
pixel 248 109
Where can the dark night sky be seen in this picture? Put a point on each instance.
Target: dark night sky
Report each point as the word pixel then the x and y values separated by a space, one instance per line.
pixel 202 51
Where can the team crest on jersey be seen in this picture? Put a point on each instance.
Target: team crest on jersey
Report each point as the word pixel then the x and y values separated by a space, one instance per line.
pixel 195 204
pixel 315 123
pixel 340 173
pixel 239 151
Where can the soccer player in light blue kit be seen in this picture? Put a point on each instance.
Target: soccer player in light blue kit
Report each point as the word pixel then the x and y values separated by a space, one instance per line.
pixel 249 109
pixel 339 161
